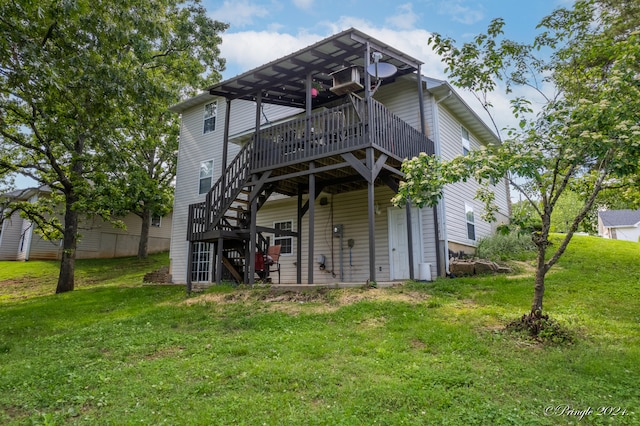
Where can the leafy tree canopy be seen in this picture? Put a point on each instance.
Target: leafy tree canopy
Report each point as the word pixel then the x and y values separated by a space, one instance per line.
pixel 77 78
pixel 586 136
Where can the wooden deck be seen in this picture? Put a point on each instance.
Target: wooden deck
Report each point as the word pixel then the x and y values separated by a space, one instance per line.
pixel 334 131
pixel 332 144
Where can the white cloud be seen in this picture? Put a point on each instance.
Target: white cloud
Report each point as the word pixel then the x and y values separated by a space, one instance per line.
pixel 248 49
pixel 405 18
pixel 303 4
pixel 461 13
pixel 239 13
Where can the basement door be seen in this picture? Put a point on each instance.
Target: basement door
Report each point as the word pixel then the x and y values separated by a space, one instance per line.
pixel 399 245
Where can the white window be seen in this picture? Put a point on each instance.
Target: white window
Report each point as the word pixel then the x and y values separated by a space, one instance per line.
pixel 206 176
pixel 155 220
pixel 285 243
pixel 471 226
pixel 210 113
pixel 201 262
pixel 466 143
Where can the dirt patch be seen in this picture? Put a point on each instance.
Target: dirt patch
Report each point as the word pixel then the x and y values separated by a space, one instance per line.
pixel 164 352
pixel 313 301
pixel 418 344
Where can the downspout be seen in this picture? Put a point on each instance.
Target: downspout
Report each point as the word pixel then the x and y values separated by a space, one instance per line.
pixel 436 222
pixel 442 227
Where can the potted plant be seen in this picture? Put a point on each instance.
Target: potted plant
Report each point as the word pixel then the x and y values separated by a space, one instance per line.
pixel 316 87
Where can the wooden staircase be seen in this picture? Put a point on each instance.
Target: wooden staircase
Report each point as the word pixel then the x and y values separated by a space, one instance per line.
pixel 226 215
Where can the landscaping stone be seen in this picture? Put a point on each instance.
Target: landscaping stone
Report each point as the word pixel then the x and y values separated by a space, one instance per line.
pixel 468 267
pixel 161 276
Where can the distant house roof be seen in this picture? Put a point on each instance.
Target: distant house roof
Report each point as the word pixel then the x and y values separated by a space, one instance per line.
pixel 20 194
pixel 619 218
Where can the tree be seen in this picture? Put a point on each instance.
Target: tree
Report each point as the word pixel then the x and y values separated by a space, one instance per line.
pixel 585 137
pixel 148 159
pixel 73 75
pixel 567 207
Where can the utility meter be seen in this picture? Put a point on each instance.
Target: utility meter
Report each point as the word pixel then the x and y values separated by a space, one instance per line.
pixel 337 231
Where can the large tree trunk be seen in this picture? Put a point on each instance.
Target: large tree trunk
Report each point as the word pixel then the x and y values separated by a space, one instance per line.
pixel 143 246
pixel 66 278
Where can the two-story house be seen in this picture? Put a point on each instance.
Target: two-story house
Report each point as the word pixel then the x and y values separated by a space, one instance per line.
pixel 305 153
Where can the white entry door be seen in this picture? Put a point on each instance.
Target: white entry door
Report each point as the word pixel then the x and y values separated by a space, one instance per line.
pixel 399 245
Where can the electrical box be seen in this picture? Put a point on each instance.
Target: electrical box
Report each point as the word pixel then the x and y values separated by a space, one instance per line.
pixel 337 231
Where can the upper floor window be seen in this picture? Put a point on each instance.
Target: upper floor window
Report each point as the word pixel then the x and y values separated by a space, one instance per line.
pixel 471 223
pixel 155 220
pixel 206 176
pixel 285 243
pixel 466 143
pixel 210 113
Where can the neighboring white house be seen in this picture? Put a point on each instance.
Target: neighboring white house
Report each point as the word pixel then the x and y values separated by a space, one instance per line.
pixel 98 239
pixel 317 175
pixel 619 224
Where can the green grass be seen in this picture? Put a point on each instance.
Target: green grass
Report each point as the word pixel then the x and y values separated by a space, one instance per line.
pixel 116 352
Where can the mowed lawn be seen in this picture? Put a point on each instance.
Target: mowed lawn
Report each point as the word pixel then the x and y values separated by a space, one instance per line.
pixel 118 352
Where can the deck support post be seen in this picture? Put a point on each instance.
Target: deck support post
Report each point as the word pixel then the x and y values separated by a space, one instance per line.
pixel 189 266
pixel 312 211
pixel 371 215
pixel 299 238
pixel 252 241
pixel 223 175
pixel 410 239
pixel 219 248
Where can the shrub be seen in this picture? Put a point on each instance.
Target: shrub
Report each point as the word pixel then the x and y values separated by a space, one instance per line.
pixel 511 246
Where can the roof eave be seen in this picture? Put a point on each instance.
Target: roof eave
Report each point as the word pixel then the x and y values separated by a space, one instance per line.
pixel 442 90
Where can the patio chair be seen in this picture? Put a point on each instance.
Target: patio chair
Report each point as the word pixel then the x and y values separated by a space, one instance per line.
pixel 272 262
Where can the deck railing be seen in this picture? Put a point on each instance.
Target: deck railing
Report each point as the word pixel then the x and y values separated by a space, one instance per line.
pixel 325 133
pixel 206 215
pixel 337 130
pixel 389 133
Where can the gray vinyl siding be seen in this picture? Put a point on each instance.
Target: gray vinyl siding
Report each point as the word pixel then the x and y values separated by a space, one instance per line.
pixel 98 239
pixel 196 147
pixel 402 99
pixel 10 238
pixel 457 194
pixel 349 210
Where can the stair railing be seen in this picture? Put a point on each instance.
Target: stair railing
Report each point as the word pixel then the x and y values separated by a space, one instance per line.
pixel 225 191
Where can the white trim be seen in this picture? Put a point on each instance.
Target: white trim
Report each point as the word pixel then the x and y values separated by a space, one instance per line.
pixel 159 225
pixel 214 116
pixel 468 207
pixel 466 142
pixel 212 160
pixel 284 236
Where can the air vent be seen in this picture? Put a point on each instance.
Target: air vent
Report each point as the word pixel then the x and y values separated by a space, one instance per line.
pixel 346 80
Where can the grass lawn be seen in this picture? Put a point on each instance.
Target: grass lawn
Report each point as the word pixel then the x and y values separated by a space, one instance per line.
pixel 118 352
